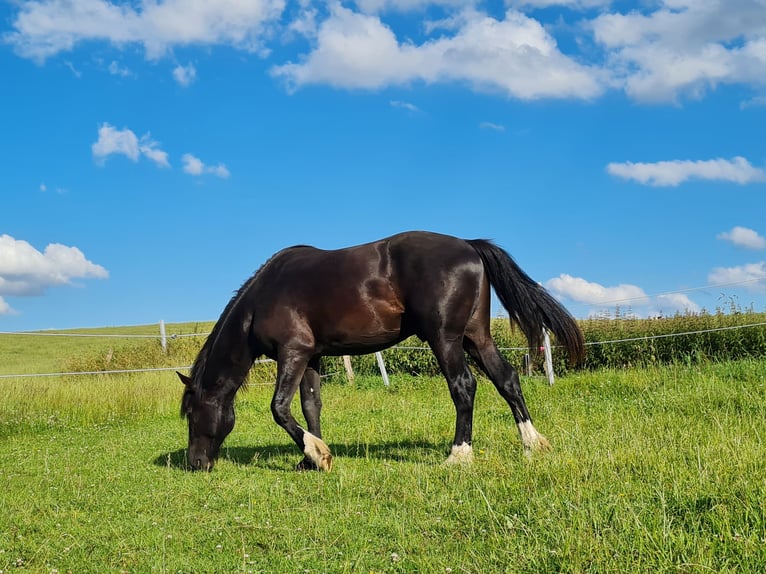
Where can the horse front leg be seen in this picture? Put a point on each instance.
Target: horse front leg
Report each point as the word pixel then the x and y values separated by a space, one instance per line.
pixel 291 366
pixel 311 405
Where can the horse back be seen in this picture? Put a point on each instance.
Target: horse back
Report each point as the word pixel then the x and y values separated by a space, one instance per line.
pixel 360 298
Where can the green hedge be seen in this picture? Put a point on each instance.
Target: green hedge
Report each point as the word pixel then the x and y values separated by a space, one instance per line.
pixel 611 343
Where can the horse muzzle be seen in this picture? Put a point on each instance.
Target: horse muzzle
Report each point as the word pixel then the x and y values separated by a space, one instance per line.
pixel 201 462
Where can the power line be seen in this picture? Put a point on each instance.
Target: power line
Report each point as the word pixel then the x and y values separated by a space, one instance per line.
pixel 679 291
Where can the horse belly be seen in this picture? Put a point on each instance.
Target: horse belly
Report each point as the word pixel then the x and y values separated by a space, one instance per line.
pixel 364 326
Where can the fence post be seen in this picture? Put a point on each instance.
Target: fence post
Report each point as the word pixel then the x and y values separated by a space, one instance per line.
pixel 382 367
pixel 527 365
pixel 163 337
pixel 548 356
pixel 349 369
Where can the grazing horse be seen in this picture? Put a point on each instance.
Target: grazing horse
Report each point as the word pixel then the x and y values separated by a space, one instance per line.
pixel 304 303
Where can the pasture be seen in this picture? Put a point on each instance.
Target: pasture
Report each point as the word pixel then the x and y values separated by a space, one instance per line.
pixel 661 469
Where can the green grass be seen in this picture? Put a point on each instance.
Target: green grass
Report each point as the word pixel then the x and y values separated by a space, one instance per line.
pixel 656 470
pixel 49 352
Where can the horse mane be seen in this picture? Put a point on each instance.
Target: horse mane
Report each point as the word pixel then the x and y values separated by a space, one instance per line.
pixel 198 368
pixel 229 313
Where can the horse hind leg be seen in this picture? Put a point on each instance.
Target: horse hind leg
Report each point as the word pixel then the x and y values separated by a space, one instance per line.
pixel 462 387
pixel 505 378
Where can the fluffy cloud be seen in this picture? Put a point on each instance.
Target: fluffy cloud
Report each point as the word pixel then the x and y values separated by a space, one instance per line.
pixel 751 276
pixel 195 166
pixel 675 302
pixel 185 75
pixel 124 142
pixel 598 296
pixel 660 51
pixel 744 237
pixel 43 28
pixel 582 291
pixel 116 70
pixel 25 271
pixel 372 6
pixel 573 4
pixel 514 56
pixel 673 173
pixel 685 47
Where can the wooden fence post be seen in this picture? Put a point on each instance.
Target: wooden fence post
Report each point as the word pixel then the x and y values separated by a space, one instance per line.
pixel 382 367
pixel 349 369
pixel 163 337
pixel 548 356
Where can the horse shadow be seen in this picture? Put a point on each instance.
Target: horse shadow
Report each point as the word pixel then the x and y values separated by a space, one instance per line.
pixel 284 456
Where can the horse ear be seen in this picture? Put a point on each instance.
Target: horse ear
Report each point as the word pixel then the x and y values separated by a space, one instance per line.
pixel 184 379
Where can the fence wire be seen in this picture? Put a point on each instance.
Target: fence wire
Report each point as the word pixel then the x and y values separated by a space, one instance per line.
pixel 396 347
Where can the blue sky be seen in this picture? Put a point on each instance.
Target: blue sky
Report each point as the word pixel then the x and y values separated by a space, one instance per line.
pixel 156 153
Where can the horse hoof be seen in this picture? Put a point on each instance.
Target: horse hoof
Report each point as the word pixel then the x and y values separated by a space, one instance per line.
pixel 460 454
pixel 305 465
pixel 317 452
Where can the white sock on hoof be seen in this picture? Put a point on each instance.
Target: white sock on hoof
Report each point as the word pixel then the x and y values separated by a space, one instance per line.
pixel 319 453
pixel 531 439
pixel 460 454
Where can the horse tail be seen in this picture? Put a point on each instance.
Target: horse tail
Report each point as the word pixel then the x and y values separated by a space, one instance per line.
pixel 528 304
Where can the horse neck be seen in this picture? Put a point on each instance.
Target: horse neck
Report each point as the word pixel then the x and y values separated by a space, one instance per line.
pixel 227 356
pixel 224 363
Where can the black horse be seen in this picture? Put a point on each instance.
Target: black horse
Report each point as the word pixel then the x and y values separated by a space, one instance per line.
pixel 304 303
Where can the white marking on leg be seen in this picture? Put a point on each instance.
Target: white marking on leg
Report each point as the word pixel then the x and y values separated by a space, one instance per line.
pixel 460 454
pixel 531 439
pixel 319 453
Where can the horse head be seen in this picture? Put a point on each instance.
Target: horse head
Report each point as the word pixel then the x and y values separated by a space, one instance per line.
pixel 211 418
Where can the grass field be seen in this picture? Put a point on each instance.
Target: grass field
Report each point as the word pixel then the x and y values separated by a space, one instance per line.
pixel 659 470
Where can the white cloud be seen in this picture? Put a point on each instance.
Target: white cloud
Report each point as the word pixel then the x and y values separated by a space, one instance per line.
pixel 75 72
pixel 150 149
pixel 598 296
pixel 582 291
pixel 112 141
pixel 492 126
pixel 185 75
pixel 116 70
pixel 673 173
pixel 43 28
pixel 404 106
pixel 26 271
pixel 751 276
pixel 195 166
pixel 672 302
pixel 754 102
pixel 373 6
pixel 685 47
pixel 744 237
pixel 514 56
pixel 5 308
pixel 573 4
pixel 658 51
